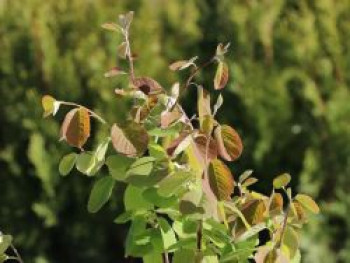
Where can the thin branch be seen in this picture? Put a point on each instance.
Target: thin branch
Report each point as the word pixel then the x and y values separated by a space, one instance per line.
pixel 93 114
pixel 18 256
pixel 165 257
pixel 129 54
pixel 284 226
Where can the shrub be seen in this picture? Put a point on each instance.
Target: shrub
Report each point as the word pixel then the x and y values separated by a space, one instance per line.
pixel 182 201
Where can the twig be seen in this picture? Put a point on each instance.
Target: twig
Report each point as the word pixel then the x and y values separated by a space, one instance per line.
pixel 18 256
pixel 129 54
pixel 165 257
pixel 93 114
pixel 284 226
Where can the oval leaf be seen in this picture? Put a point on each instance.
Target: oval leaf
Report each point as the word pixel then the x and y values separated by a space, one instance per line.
pixel 147 85
pixel 281 181
pixel 50 105
pixel 221 76
pixel 307 202
pixel 100 193
pixel 76 127
pixel 67 163
pixel 131 140
pixel 229 142
pixel 220 180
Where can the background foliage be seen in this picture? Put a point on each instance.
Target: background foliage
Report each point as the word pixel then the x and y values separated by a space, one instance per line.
pixel 288 97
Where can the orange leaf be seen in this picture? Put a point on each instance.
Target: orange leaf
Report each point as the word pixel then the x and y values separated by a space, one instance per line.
pixel 220 180
pixel 229 143
pixel 221 76
pixel 76 127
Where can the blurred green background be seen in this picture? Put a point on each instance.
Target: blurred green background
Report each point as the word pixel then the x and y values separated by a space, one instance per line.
pixel 288 96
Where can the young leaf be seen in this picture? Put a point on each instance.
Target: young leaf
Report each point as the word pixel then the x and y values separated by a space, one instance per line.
pixel 87 163
pixel 76 127
pixel 250 181
pixel 100 193
pixel 125 20
pixel 281 181
pixel 307 202
pixel 142 166
pixel 179 144
pixel 182 64
pixel 121 50
pixel 218 104
pixel 50 105
pixel 245 175
pixel 123 217
pixel 229 143
pixel 221 50
pixel 221 76
pixel 201 145
pixel 131 140
pixel 220 180
pixel 118 165
pixel 111 27
pixel 114 72
pixel 67 163
pixel 168 233
pixel 203 104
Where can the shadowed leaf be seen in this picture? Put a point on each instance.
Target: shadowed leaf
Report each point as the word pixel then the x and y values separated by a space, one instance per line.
pixel 67 163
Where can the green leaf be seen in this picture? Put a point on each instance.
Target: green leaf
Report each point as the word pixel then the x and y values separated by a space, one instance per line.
pixel 167 232
pixel 220 180
pixel 124 217
pixel 153 257
pixel 100 193
pixel 281 181
pixel 5 242
pixel 157 151
pixel 67 163
pixel 291 241
pixel 87 163
pixel 307 202
pixel 134 200
pixel 142 166
pixel 118 166
pixel 102 149
pixel 184 255
pixel 174 183
pixel 152 196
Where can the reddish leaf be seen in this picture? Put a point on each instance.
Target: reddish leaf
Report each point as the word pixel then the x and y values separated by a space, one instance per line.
pixel 167 118
pixel 76 127
pixel 131 140
pixel 221 76
pixel 220 180
pixel 201 144
pixel 229 143
pixel 254 211
pixel 178 142
pixel 147 85
pixel 203 104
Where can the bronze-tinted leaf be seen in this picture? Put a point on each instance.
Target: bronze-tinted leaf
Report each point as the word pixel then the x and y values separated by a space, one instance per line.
pixel 179 144
pixel 299 211
pixel 221 76
pixel 167 118
pixel 201 144
pixel 147 85
pixel 308 203
pixel 276 204
pixel 229 142
pixel 130 140
pixel 182 64
pixel 254 211
pixel 76 127
pixel 220 180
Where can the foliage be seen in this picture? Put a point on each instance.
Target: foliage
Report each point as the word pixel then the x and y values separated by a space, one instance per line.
pixel 180 196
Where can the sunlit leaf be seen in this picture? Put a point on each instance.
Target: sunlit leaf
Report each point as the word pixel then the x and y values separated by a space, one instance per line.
pixel 220 180
pixel 100 193
pixel 205 149
pixel 245 175
pixel 114 72
pixel 221 76
pixel 221 50
pixel 153 257
pixel 5 242
pixel 182 64
pixel 123 217
pixel 50 105
pixel 142 166
pixel 229 142
pixel 131 140
pixel 76 127
pixel 276 203
pixel 174 182
pixel 307 202
pixel 184 255
pixel 218 104
pixel 88 164
pixel 179 144
pixel 67 163
pixel 291 240
pixel 168 233
pixel 254 211
pixel 250 181
pixel 281 181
